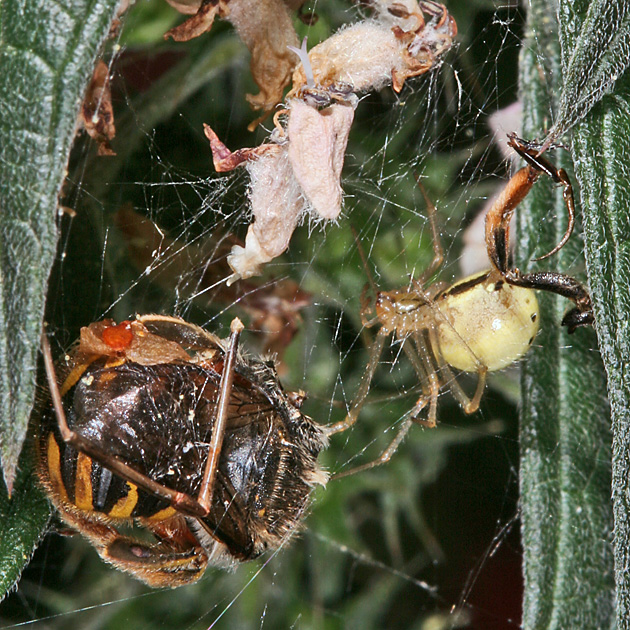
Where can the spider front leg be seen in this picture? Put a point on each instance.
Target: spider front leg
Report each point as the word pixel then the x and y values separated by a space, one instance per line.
pixel 385 456
pixel 438 250
pixel 367 311
pixel 376 349
pixel 498 239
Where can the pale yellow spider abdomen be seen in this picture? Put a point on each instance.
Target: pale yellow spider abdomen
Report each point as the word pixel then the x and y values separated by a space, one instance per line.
pixel 484 321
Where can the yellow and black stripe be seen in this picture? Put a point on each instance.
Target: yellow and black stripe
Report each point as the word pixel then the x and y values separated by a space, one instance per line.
pixel 79 480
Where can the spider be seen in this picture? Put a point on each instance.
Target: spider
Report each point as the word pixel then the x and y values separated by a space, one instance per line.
pixel 158 423
pixel 479 324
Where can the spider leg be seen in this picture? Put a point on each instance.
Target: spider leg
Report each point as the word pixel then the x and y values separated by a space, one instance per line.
pixel 430 383
pixel 385 456
pixel 438 251
pixel 429 379
pixel 468 404
pixel 376 350
pixel 367 308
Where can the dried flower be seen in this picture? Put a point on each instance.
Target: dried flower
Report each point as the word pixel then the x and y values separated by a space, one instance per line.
pixel 97 114
pixel 266 28
pixel 317 147
pixel 298 173
pixel 394 45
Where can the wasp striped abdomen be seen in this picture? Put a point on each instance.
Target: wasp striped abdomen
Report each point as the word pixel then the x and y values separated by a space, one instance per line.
pixel 138 434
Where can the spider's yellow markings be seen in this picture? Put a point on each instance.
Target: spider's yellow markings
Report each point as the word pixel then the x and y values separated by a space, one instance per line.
pixel 491 323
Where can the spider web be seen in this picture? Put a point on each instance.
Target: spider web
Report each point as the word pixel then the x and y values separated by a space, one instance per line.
pixel 429 540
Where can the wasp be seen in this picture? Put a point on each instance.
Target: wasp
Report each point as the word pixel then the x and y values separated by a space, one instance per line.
pixel 160 424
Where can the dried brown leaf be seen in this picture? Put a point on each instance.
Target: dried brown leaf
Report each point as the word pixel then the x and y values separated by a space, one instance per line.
pixel 225 160
pixel 97 113
pixel 266 28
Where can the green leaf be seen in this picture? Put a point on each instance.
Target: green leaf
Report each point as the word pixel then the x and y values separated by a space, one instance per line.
pixel 23 518
pixel 602 150
pixel 565 439
pixel 595 52
pixel 47 54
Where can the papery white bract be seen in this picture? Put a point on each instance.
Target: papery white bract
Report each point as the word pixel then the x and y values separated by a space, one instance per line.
pixel 317 147
pixel 298 173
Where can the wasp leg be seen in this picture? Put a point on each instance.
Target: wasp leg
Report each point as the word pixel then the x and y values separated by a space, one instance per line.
pixel 218 431
pixel 500 214
pixel 177 559
pixel 497 236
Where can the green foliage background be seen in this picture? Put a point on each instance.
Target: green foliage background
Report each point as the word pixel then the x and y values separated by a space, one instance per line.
pixel 443 512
